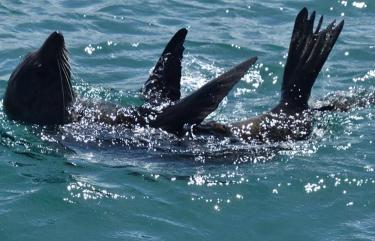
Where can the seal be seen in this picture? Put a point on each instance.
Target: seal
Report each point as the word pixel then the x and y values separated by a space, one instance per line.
pixel 40 92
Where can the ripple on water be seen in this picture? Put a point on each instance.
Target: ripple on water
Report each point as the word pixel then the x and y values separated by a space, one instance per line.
pixel 98 183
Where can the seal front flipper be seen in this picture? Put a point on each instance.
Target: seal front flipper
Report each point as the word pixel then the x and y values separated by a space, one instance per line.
pixel 193 109
pixel 164 82
pixel 307 54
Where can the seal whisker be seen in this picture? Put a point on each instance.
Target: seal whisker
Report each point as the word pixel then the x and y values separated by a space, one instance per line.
pixel 63 56
pixel 69 83
pixel 62 87
pixel 67 79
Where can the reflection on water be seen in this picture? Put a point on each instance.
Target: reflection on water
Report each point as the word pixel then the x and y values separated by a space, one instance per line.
pixel 94 182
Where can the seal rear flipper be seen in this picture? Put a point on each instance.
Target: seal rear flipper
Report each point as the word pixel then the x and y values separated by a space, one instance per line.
pixel 164 82
pixel 307 54
pixel 193 109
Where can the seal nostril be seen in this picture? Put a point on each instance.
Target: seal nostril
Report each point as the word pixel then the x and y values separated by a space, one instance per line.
pixel 57 35
pixel 54 41
pixel 53 46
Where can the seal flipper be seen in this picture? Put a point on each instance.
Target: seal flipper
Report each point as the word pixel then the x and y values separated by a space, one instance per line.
pixel 193 109
pixel 164 81
pixel 307 54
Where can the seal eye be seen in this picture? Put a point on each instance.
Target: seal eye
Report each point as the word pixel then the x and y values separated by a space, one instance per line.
pixel 39 70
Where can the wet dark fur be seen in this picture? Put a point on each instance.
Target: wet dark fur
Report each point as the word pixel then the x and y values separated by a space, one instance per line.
pixel 39 89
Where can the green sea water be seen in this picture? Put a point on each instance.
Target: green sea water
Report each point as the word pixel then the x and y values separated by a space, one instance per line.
pixel 94 184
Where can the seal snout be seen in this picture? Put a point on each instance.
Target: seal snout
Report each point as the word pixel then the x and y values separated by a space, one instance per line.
pixel 56 38
pixel 53 47
pixel 54 43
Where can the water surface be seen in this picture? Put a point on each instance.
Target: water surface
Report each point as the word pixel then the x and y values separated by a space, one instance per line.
pixel 59 189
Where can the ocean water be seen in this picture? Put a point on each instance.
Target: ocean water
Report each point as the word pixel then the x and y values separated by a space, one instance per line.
pixel 92 184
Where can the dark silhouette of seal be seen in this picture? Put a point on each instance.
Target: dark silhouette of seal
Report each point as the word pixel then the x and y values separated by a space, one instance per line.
pixel 39 91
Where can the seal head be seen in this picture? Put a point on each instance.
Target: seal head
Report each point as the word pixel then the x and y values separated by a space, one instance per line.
pixel 39 90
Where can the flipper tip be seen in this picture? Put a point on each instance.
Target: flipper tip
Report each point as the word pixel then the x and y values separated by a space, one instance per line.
pixel 341 24
pixel 182 32
pixel 248 63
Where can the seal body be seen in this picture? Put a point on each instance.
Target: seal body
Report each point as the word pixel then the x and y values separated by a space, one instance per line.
pixel 277 125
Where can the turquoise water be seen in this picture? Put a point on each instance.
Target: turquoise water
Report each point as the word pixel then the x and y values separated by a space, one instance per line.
pixel 94 184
